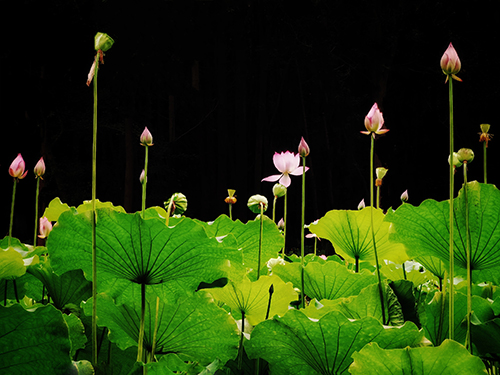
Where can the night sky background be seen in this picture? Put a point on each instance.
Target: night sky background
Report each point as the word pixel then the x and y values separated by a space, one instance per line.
pixel 222 85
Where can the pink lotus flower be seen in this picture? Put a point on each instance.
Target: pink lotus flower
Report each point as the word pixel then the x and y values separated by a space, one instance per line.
pixel 303 148
pixel 287 163
pixel 146 138
pixel 39 168
pixel 450 63
pixel 45 227
pixel 17 167
pixel 374 122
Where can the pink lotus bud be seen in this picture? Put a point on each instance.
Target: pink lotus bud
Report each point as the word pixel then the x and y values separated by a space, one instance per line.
pixel 141 177
pixel 146 138
pixel 322 256
pixel 45 227
pixel 404 196
pixel 374 122
pixel 303 148
pixel 281 224
pixel 450 63
pixel 16 169
pixel 361 204
pixel 39 168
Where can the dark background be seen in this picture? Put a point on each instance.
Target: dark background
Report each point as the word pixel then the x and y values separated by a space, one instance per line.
pixel 222 85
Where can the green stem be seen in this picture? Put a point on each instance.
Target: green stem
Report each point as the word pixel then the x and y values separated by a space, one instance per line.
pixel 145 181
pixel 315 245
pixel 404 271
pixel 380 289
pixel 260 239
pixel 274 208
pixel 94 252
pixel 284 224
pixel 452 189
pixel 484 163
pixel 12 210
pixel 36 210
pixel 468 342
pixel 240 348
pixel 141 327
pixel 153 349
pixel 169 209
pixel 302 267
pixel 378 197
pixel 231 211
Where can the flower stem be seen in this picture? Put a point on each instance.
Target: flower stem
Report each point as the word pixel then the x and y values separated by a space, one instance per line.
pixel 380 289
pixel 378 197
pixel 231 211
pixel 94 252
pixel 274 208
pixel 484 163
pixel 12 210
pixel 260 239
pixel 140 342
pixel 240 348
pixel 284 225
pixel 468 341
pixel 36 209
pixel 153 349
pixel 452 189
pixel 145 181
pixel 302 267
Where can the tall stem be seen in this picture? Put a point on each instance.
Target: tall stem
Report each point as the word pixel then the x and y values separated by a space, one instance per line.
pixel 260 239
pixel 274 208
pixel 145 181
pixel 484 163
pixel 303 299
pixel 141 327
pixel 155 333
pixel 12 210
pixel 452 189
pixel 380 289
pixel 468 342
pixel 94 252
pixel 36 209
pixel 284 224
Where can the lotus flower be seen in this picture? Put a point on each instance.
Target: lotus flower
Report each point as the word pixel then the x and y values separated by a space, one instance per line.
pixel 17 167
pixel 303 148
pixel 45 227
pixel 287 163
pixel 450 63
pixel 374 122
pixel 146 138
pixel 39 168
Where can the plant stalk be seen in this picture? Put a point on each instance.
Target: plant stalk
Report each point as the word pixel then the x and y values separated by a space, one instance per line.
pixel 452 189
pixel 302 266
pixel 468 341
pixel 140 342
pixel 153 349
pixel 260 239
pixel 284 224
pixel 484 163
pixel 145 180
pixel 380 289
pixel 12 210
pixel 36 210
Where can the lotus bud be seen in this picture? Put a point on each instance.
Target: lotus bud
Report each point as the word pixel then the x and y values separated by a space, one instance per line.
pixel 231 199
pixel 404 196
pixel 146 138
pixel 45 227
pixel 303 148
pixel 255 202
pixel 450 63
pixel 361 204
pixel 279 190
pixel 17 167
pixel 281 224
pixel 142 176
pixel 456 162
pixel 103 42
pixel 39 168
pixel 380 172
pixel 179 204
pixel 465 155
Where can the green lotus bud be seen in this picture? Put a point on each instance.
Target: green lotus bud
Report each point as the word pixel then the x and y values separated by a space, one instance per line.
pixel 179 204
pixel 456 162
pixel 465 155
pixel 255 202
pixel 279 190
pixel 103 42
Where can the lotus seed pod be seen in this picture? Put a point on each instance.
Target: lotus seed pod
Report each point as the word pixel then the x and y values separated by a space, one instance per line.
pixel 465 155
pixel 456 162
pixel 279 190
pixel 103 42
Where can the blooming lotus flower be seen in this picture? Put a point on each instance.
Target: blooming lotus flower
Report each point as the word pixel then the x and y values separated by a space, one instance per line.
pixel 287 163
pixel 17 167
pixel 39 168
pixel 303 148
pixel 45 227
pixel 146 138
pixel 450 63
pixel 374 122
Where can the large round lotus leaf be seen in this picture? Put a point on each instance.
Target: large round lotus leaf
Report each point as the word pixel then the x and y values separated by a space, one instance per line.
pixel 295 344
pixel 424 229
pixel 34 342
pixel 134 250
pixel 450 358
pixel 351 235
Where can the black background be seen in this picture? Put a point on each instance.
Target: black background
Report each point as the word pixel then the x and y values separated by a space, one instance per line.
pixel 222 85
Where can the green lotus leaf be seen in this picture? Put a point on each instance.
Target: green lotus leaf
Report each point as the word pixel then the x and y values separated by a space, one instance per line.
pixel 486 336
pixel 76 332
pixel 130 249
pixel 28 339
pixel 395 272
pixel 432 264
pixel 55 209
pixel 192 326
pixel 252 298
pixel 295 344
pixel 247 236
pixel 424 230
pixel 351 236
pixel 450 358
pixel 330 280
pixel 11 264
